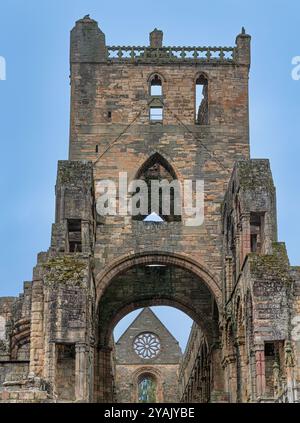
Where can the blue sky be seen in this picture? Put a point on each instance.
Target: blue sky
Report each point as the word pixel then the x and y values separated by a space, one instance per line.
pixel 34 102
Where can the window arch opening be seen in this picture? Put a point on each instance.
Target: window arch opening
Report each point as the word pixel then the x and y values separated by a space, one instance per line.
pixel 201 100
pixel 156 86
pixel 159 200
pixel 147 388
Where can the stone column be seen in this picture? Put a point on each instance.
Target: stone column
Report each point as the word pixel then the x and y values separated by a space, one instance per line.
pixel 105 381
pixel 232 376
pixel 85 236
pixel 156 38
pixel 228 276
pixel 245 248
pixel 81 372
pixel 217 388
pixel 36 331
pixel 243 361
pixel 243 48
pixel 290 374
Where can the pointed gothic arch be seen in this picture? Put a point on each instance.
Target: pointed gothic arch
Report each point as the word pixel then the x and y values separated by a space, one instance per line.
pixel 154 158
pixel 158 170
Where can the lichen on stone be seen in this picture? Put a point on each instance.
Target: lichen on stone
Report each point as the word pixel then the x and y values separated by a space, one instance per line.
pixel 275 264
pixel 68 270
pixel 255 174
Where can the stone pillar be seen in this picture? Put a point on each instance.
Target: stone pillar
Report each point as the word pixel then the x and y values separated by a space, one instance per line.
pixel 245 237
pixel 217 388
pixel 290 374
pixel 252 375
pixel 51 366
pixel 243 361
pixel 85 236
pixel 105 380
pixel 237 242
pixel 243 48
pixel 156 38
pixel 230 363
pixel 87 42
pixel 229 276
pixel 260 370
pixel 81 373
pixel 36 331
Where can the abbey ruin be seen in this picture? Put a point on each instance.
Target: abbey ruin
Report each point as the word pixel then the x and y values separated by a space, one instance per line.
pixel 134 110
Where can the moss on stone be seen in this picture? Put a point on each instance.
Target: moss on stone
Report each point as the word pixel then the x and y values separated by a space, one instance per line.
pixel 254 174
pixel 70 173
pixel 275 265
pixel 69 270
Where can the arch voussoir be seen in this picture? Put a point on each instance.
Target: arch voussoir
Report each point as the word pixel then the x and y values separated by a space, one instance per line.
pixel 164 258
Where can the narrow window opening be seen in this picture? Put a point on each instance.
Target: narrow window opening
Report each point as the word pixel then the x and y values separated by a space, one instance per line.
pixel 202 100
pixel 97 148
pixel 109 115
pixel 156 86
pixel 74 232
pixel 147 388
pixel 156 114
pixel 256 232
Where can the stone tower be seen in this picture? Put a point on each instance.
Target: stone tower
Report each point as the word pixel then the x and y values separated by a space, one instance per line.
pixel 138 110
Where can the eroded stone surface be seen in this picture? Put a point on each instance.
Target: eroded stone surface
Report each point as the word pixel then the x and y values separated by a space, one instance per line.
pixel 230 274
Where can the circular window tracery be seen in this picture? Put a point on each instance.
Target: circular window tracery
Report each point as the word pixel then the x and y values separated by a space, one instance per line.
pixel 146 345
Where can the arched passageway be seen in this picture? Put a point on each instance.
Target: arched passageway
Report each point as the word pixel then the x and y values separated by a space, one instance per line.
pixel 148 280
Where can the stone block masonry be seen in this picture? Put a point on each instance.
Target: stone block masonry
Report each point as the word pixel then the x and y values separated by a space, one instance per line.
pixel 230 275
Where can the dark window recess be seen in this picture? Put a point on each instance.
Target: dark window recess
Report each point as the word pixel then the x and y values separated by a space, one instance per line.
pixel 274 354
pixel 256 232
pixel 97 148
pixel 65 372
pixel 74 232
pixel 155 86
pixel 65 351
pixel 202 101
pixel 269 349
pixel 109 115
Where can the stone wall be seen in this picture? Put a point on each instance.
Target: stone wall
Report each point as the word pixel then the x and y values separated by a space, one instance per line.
pixel 127 381
pixel 229 274
pixel 13 371
pixel 133 363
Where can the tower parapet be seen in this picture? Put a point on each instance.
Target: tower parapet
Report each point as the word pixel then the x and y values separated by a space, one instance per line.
pixel 87 42
pixel 243 48
pixel 88 45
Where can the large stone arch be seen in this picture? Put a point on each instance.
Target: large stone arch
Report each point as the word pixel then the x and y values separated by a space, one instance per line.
pixel 203 321
pixel 132 282
pixel 148 155
pixel 121 264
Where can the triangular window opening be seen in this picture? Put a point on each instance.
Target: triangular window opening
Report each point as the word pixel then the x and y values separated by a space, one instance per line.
pixel 153 217
pixel 201 100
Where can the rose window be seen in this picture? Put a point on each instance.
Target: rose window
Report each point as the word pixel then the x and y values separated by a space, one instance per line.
pixel 146 345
